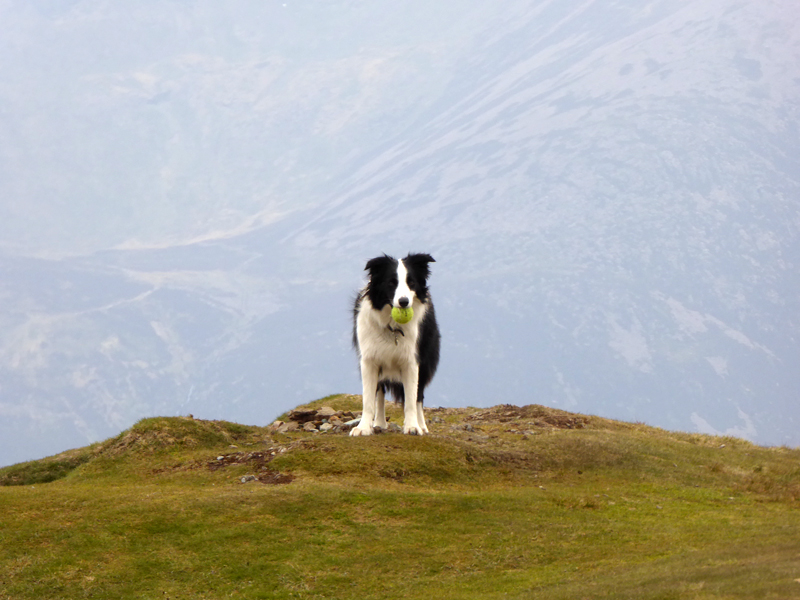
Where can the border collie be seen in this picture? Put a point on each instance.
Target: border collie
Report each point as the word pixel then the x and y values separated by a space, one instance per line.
pixel 399 358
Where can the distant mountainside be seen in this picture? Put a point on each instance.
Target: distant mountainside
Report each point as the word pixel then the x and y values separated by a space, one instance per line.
pixel 612 195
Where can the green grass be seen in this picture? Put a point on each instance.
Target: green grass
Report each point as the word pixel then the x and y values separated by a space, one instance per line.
pixel 601 510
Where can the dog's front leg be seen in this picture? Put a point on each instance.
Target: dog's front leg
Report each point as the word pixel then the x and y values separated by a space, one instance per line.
pixel 369 387
pixel 411 423
pixel 380 409
pixel 421 418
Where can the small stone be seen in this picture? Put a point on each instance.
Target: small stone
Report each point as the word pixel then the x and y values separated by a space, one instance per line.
pixel 394 427
pixel 309 426
pixel 325 412
pixel 220 458
pixel 247 478
pixel 275 425
pixel 325 427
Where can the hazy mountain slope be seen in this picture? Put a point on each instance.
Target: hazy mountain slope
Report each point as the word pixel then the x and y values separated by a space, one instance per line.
pixel 611 194
pixel 165 122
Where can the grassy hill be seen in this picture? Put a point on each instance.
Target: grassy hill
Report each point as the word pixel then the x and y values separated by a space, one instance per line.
pixel 506 502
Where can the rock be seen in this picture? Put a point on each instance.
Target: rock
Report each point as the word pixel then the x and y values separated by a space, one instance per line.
pixel 286 427
pixel 302 415
pixel 345 427
pixel 325 412
pixel 247 478
pixel 309 426
pixel 275 425
pixel 394 427
pixel 325 427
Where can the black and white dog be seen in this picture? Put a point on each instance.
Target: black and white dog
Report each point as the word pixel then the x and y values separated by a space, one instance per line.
pixel 399 358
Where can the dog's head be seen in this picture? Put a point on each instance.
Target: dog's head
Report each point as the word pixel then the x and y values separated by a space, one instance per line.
pixel 398 282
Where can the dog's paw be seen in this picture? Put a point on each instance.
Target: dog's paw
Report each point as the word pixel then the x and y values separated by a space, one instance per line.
pixel 380 425
pixel 413 430
pixel 357 431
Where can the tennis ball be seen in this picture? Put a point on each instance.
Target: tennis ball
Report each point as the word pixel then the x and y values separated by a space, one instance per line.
pixel 402 315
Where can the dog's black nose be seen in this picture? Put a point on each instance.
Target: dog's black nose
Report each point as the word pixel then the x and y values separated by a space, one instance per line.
pixel 403 302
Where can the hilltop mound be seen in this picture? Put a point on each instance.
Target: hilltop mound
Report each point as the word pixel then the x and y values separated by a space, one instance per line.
pixel 501 446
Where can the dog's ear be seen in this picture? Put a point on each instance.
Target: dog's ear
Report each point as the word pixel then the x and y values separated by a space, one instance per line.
pixel 420 258
pixel 376 265
pixel 419 262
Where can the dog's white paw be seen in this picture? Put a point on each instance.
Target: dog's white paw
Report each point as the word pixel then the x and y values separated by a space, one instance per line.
pixel 413 430
pixel 357 431
pixel 380 425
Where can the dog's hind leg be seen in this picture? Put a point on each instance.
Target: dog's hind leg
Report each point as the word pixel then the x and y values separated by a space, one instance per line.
pixel 380 407
pixel 369 388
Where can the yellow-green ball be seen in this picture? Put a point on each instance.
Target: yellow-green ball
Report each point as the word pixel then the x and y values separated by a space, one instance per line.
pixel 402 315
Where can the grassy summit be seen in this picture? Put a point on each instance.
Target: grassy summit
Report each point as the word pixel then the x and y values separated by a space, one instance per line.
pixel 506 502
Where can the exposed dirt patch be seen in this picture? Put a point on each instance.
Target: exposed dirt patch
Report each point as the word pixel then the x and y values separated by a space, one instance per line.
pixel 258 462
pixel 254 459
pixel 275 478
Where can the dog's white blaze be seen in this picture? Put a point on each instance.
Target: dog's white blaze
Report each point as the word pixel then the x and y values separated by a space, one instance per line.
pixel 402 285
